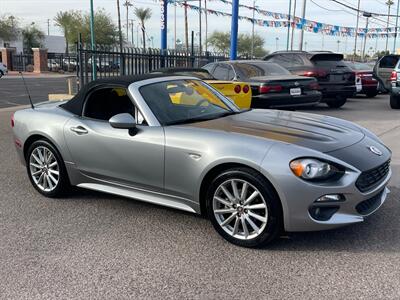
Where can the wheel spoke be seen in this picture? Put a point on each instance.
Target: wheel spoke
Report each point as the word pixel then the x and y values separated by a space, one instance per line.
pixel 228 194
pixel 53 164
pixel 54 172
pixel 40 155
pixel 251 198
pixel 44 181
pixel 37 159
pixel 244 191
pixel 252 224
pixel 224 211
pixel 53 179
pixel 229 219
pixel 224 202
pixel 258 217
pixel 245 230
pixel 236 226
pixel 256 206
pixel 235 189
pixel 40 179
pixel 49 183
pixel 36 165
pixel 37 172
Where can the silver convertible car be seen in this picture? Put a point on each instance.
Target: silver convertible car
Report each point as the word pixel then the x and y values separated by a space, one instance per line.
pixel 177 142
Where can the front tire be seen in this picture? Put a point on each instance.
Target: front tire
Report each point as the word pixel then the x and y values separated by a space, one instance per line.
pixel 395 102
pixel 337 103
pixel 1 74
pixel 372 94
pixel 244 208
pixel 46 169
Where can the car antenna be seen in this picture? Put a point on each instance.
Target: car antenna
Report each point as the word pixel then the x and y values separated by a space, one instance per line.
pixel 27 91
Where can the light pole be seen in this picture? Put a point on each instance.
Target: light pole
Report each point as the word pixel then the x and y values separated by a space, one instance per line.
pixel 367 15
pixel 389 3
pixel 303 16
pixel 200 27
pixel 234 29
pixel 92 41
pixel 338 45
pixel 206 16
pixel 276 43
pixel 127 4
pixel 252 29
pixel 294 15
pixel 288 25
pixel 397 22
pixel 356 33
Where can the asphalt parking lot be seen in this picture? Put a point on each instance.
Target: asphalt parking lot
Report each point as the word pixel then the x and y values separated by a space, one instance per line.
pixel 93 245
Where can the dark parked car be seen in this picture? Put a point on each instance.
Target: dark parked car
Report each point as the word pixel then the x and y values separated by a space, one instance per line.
pixel 271 85
pixel 364 79
pixel 383 71
pixel 336 79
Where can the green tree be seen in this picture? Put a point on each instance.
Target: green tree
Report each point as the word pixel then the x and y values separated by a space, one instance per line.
pixel 143 14
pixel 220 41
pixel 106 31
pixel 70 22
pixel 32 37
pixel 9 30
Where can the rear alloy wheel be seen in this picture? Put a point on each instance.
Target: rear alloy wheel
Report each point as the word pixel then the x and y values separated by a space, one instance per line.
pixel 243 208
pixel 395 102
pixel 337 103
pixel 46 169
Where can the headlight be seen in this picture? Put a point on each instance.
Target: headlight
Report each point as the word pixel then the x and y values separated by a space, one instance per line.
pixel 312 169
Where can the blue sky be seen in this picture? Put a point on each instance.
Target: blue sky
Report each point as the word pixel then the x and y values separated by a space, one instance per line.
pixel 326 11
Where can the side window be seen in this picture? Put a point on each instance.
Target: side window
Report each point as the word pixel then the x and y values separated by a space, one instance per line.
pixel 388 62
pixel 221 72
pixel 104 103
pixel 231 73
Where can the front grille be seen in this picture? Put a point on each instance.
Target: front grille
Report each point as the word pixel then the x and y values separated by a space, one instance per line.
pixel 369 179
pixel 368 206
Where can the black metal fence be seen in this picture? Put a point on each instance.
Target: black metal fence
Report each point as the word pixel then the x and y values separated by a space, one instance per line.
pixel 60 62
pixel 21 62
pixel 110 62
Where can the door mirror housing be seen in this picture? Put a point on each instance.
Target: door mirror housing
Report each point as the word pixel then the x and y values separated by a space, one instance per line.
pixel 123 121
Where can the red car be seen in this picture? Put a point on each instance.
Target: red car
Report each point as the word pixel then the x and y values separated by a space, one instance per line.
pixel 365 83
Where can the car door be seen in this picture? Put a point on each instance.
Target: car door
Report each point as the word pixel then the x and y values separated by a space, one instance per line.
pixel 384 68
pixel 130 157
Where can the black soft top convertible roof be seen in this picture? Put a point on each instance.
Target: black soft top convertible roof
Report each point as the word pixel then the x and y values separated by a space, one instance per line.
pixel 75 105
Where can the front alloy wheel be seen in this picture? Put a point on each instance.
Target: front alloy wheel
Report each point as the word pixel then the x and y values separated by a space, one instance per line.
pixel 244 208
pixel 46 169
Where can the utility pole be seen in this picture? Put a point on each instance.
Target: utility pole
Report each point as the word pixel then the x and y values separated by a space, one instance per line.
pixel 131 25
pixel 127 4
pixel 294 15
pixel 303 16
pixel 205 8
pixel 92 41
pixel 389 3
pixel 122 58
pixel 367 15
pixel 252 29
pixel 356 33
pixel 175 25
pixel 288 25
pixel 48 26
pixel 397 22
pixel 200 27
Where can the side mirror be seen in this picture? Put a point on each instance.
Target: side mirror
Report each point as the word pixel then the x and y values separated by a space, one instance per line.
pixel 123 121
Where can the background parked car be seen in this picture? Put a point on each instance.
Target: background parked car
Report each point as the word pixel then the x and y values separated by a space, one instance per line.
pixel 239 92
pixel 271 84
pixel 364 78
pixel 383 71
pixel 3 69
pixel 395 87
pixel 336 79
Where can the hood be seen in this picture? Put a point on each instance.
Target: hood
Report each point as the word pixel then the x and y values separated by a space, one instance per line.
pixel 317 132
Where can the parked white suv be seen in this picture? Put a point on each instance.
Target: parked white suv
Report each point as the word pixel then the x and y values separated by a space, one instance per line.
pixel 3 69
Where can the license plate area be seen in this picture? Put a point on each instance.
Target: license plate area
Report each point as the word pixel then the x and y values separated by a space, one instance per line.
pixel 295 92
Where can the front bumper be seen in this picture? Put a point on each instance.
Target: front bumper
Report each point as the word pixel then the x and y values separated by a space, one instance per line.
pixel 298 196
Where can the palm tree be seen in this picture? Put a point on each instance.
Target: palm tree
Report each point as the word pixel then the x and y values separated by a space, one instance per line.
pixel 65 20
pixel 32 37
pixel 143 14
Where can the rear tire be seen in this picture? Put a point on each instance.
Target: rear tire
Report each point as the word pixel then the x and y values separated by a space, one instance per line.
pixel 1 74
pixel 337 103
pixel 395 102
pixel 46 169
pixel 252 224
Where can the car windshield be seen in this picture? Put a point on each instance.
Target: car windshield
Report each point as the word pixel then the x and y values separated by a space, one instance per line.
pixel 359 66
pixel 185 101
pixel 248 70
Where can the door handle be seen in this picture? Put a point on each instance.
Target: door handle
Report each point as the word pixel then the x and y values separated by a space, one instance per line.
pixel 79 130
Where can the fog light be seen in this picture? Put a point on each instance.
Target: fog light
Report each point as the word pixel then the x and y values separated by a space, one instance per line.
pixel 331 198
